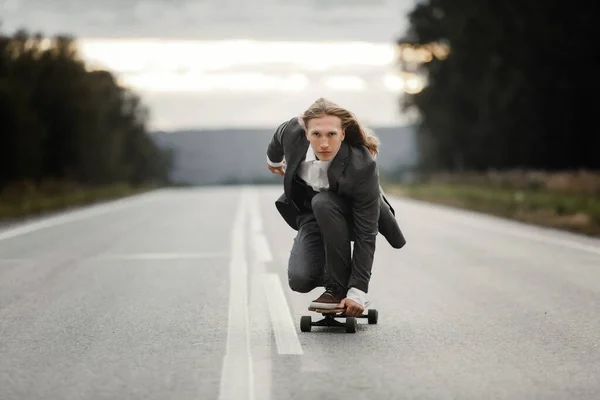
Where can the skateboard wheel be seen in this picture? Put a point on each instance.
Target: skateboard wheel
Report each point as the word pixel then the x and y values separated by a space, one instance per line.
pixel 351 324
pixel 305 323
pixel 372 316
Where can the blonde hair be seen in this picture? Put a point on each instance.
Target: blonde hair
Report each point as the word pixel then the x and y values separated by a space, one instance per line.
pixel 356 134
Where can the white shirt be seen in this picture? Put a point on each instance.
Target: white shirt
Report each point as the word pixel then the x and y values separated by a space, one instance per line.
pixel 314 173
pixel 311 170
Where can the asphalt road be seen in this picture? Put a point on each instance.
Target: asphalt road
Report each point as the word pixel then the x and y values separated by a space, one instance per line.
pixel 182 294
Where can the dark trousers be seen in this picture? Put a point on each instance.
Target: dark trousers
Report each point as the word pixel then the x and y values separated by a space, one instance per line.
pixel 321 253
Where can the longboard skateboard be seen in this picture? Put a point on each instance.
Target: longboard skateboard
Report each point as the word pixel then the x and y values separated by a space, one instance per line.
pixel 330 316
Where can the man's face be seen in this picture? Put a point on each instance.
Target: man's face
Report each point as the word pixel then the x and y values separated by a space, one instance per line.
pixel 325 135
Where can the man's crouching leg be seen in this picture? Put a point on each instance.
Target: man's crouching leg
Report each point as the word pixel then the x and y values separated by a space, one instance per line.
pixel 332 216
pixel 307 257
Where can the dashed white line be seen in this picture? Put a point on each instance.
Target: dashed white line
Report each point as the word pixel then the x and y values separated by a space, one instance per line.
pixel 279 311
pixel 283 326
pixel 260 244
pixel 164 256
pixel 256 225
pixel 261 247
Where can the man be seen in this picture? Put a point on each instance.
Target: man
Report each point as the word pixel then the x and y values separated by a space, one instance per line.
pixel 331 197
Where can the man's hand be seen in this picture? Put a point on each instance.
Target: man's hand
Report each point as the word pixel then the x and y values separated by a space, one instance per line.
pixel 277 170
pixel 353 309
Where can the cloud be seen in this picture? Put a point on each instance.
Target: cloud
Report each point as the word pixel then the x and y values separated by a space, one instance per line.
pixel 262 110
pixel 212 19
pixel 236 86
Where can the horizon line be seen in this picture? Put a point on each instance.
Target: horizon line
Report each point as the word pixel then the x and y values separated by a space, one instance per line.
pixel 260 128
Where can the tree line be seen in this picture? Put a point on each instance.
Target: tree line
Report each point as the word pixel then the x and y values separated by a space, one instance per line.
pixel 62 121
pixel 517 89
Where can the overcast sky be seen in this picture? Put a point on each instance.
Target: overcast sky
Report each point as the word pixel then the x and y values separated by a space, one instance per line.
pixel 220 63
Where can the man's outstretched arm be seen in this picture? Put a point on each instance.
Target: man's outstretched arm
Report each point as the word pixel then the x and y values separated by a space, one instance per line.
pixel 365 215
pixel 275 153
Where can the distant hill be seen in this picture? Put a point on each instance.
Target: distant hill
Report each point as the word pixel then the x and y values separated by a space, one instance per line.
pixel 234 156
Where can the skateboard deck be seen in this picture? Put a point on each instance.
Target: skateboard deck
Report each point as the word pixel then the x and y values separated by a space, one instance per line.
pixel 333 310
pixel 327 311
pixel 330 316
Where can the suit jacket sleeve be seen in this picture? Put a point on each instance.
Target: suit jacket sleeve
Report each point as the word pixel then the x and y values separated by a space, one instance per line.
pixel 365 213
pixel 275 152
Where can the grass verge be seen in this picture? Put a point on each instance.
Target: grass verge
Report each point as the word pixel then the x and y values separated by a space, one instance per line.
pixel 24 200
pixel 574 212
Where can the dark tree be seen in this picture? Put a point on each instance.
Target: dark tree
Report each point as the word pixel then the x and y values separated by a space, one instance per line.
pixel 62 121
pixel 517 89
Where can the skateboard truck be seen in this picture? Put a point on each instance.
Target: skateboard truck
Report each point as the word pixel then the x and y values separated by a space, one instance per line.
pixel 330 316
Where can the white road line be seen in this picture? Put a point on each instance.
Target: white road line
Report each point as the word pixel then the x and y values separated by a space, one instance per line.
pixel 237 380
pixel 533 236
pixel 164 256
pixel 281 319
pixel 261 247
pixel 256 225
pixel 260 334
pixel 88 212
pixel 283 326
pixel 491 225
pixel 259 239
pixel 260 327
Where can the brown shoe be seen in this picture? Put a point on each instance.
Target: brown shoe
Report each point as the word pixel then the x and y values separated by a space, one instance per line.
pixel 329 300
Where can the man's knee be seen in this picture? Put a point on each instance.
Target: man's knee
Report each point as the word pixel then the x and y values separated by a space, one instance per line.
pixel 324 202
pixel 301 284
pixel 331 211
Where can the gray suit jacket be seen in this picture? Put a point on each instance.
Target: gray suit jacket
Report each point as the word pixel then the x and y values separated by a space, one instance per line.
pixel 353 175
